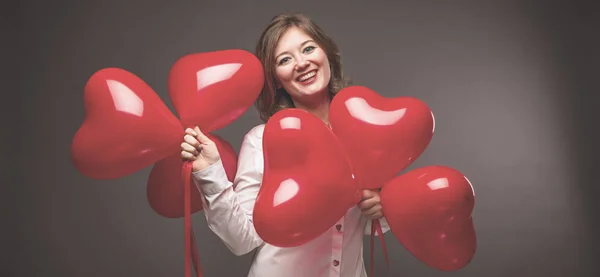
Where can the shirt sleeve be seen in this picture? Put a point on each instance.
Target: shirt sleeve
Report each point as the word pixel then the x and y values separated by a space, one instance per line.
pixel 228 206
pixel 384 226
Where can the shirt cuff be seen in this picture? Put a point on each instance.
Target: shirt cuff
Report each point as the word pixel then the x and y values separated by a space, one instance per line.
pixel 211 180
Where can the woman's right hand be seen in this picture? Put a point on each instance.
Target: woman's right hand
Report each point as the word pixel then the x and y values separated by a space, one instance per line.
pixel 198 148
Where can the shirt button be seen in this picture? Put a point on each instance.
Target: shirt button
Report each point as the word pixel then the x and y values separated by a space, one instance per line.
pixel 338 227
pixel 336 262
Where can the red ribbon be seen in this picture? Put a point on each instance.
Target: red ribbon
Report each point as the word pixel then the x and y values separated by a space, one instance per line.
pixel 191 251
pixel 376 228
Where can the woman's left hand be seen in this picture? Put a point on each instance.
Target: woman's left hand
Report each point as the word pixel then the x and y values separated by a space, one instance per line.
pixel 371 204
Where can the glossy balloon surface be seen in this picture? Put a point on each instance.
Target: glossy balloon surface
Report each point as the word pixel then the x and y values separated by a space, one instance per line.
pixel 212 89
pixel 307 184
pixel 381 136
pixel 126 128
pixel 429 211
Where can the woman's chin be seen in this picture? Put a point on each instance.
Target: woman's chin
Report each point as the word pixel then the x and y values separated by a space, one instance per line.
pixel 313 91
pixel 312 95
pixel 313 98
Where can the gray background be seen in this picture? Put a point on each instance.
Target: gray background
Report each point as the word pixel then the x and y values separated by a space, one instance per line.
pixel 512 86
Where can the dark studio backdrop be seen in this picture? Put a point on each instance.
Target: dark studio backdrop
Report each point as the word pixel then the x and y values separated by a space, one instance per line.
pixel 513 85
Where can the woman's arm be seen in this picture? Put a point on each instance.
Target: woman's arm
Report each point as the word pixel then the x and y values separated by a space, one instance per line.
pixel 228 211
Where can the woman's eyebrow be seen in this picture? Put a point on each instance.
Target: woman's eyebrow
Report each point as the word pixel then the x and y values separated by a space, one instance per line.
pixel 286 52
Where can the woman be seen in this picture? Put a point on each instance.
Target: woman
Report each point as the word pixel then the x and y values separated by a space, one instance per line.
pixel 303 70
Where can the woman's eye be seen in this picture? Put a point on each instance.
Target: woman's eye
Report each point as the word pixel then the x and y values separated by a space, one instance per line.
pixel 284 60
pixel 308 49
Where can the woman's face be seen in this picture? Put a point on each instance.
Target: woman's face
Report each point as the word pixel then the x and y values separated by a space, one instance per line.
pixel 301 66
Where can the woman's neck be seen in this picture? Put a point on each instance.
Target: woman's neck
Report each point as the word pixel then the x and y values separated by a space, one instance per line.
pixel 319 109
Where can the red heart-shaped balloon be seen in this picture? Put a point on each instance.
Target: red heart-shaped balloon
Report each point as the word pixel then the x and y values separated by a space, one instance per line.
pixel 429 211
pixel 212 89
pixel 381 136
pixel 307 183
pixel 127 127
pixel 165 189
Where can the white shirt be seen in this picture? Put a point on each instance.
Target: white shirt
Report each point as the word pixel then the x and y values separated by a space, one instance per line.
pixel 228 210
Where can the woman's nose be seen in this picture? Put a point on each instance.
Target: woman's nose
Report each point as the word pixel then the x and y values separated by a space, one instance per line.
pixel 302 64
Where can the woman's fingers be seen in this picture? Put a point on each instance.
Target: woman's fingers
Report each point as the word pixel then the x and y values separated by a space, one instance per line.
pixel 191 132
pixel 189 148
pixel 187 156
pixel 191 141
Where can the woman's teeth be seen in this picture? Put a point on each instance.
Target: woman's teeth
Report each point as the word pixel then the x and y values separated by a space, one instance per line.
pixel 307 76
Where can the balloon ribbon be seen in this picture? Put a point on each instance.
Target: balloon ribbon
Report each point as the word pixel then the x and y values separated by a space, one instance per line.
pixel 191 251
pixel 376 229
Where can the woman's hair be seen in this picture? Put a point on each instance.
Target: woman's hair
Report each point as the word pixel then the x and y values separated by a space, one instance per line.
pixel 271 99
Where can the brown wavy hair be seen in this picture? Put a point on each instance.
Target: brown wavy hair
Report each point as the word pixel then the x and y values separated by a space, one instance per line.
pixel 271 99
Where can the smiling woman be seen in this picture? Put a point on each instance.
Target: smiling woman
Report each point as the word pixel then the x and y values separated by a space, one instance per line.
pixel 302 70
pixel 292 47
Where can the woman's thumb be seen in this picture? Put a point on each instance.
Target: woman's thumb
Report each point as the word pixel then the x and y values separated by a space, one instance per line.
pixel 203 139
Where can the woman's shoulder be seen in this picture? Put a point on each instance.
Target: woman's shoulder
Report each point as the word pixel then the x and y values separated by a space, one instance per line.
pixel 256 133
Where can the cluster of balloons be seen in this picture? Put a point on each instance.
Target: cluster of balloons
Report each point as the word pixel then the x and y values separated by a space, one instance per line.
pixel 127 127
pixel 313 174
